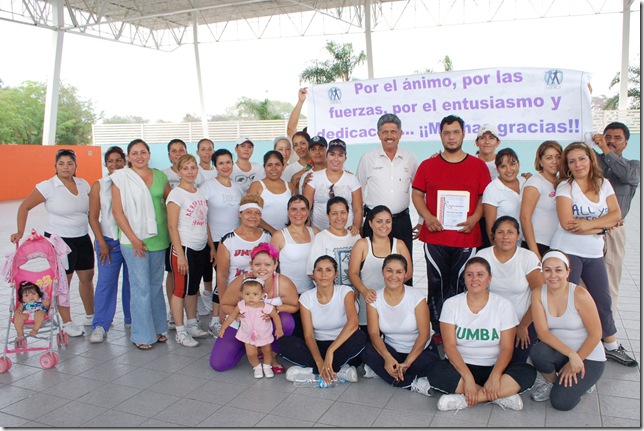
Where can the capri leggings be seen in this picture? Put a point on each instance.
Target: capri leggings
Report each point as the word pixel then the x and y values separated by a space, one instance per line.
pixel 228 350
pixel 188 284
pixel 419 367
pixel 593 272
pixel 548 360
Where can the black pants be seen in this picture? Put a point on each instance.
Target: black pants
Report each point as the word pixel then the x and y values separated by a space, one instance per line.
pixel 419 367
pixel 444 377
pixel 294 349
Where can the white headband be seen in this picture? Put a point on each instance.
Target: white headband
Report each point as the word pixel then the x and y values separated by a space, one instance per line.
pixel 253 279
pixel 558 255
pixel 250 205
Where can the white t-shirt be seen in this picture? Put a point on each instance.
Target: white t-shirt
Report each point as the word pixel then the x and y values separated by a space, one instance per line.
pixel 290 170
pixel 544 216
pixel 328 319
pixel 478 336
pixel 209 174
pixel 223 207
pixel 491 166
pixel 303 181
pixel 193 217
pixel 174 179
pixel 338 247
pixel 67 215
pixel 506 200
pixel 509 278
pixel 345 186
pixel 245 179
pixel 239 250
pixel 398 323
pixel 590 246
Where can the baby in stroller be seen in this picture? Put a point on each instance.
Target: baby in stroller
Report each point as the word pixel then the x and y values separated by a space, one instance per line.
pixel 32 307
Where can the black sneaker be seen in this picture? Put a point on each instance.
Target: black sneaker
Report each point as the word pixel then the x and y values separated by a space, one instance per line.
pixel 620 355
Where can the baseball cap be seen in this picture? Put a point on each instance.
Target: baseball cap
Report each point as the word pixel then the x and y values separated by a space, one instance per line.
pixel 243 139
pixel 318 140
pixel 335 144
pixel 488 128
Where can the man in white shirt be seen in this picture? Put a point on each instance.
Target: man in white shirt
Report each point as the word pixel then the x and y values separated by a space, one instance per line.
pixel 385 175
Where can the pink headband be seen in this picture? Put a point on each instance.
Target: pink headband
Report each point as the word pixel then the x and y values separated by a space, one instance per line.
pixel 267 248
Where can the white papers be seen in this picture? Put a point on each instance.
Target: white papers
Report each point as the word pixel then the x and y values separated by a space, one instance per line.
pixel 453 206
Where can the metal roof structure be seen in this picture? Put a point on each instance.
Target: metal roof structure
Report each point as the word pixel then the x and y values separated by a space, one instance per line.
pixel 168 24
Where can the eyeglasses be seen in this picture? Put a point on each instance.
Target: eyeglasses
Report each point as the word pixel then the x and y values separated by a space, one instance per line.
pixel 331 192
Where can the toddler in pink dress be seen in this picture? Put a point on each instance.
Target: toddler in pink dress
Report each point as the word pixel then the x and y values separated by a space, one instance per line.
pixel 255 328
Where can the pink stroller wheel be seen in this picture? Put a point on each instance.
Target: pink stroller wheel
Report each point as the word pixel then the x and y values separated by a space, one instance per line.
pixel 48 360
pixel 5 365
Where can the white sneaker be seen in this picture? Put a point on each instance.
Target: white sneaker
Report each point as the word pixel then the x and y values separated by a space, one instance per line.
pixel 513 402
pixel 348 373
pixel 72 329
pixel 369 373
pixel 541 392
pixel 451 402
pixel 196 332
pixel 98 335
pixel 213 330
pixel 88 320
pixel 295 370
pixel 268 370
pixel 170 318
pixel 591 389
pixel 186 340
pixel 257 372
pixel 422 386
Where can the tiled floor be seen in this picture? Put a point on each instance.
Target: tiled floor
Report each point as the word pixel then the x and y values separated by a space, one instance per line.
pixel 115 385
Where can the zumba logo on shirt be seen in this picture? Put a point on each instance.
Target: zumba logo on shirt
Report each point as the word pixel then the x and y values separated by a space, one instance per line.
pixel 479 334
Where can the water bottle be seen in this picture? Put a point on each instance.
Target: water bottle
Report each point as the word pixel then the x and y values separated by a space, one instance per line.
pixel 315 381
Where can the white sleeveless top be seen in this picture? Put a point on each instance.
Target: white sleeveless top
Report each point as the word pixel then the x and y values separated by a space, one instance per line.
pixel 275 210
pixel 293 260
pixel 239 250
pixel 108 223
pixel 569 328
pixel 371 276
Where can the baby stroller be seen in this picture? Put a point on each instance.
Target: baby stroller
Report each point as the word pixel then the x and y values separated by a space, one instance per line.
pixel 36 261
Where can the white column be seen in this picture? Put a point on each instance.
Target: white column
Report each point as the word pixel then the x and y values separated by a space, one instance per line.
pixel 204 120
pixel 623 76
pixel 367 33
pixel 53 82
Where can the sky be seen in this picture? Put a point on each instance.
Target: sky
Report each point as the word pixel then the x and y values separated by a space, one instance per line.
pixel 126 80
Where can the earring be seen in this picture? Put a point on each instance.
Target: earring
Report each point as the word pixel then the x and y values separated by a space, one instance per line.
pixel 568 173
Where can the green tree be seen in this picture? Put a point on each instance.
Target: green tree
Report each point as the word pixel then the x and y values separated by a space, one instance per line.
pixel 339 67
pixel 252 109
pixel 125 119
pixel 446 62
pixel 22 111
pixel 191 118
pixel 633 90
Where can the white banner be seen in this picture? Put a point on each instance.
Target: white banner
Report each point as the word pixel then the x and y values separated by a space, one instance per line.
pixel 526 104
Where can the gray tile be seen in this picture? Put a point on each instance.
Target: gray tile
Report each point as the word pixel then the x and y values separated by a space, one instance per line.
pixel 185 412
pixel 369 392
pixel 452 422
pixel 405 400
pixel 571 419
pixel 399 419
pixel 628 408
pixel 302 407
pixel 70 415
pixel 350 415
pixel 231 417
pixel 74 387
pixel 242 374
pixel 141 378
pixel 613 370
pixel 115 419
pixel 109 395
pixel 278 383
pixel 105 351
pixel 170 363
pixel 9 421
pixel 201 351
pixel 138 357
pixel 480 413
pixel 34 424
pixel 25 408
pixel 261 400
pixel 198 368
pixel 107 371
pixel 323 393
pixel 216 392
pixel 532 415
pixel 613 422
pixel 42 379
pixel 618 388
pixel 147 404
pixel 155 423
pixel 77 364
pixel 176 385
pixel 270 421
pixel 18 371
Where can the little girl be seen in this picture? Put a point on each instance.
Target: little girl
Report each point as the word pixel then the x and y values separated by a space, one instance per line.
pixel 254 330
pixel 32 307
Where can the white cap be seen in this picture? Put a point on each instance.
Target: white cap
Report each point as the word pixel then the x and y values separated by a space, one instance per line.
pixel 488 128
pixel 243 139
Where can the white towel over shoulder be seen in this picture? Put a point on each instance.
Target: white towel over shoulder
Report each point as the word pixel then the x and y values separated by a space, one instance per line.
pixel 137 204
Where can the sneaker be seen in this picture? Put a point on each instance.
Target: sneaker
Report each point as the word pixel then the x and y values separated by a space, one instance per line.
pixel 196 332
pixel 348 373
pixel 296 370
pixel 258 373
pixel 72 329
pixel 513 402
pixel 170 318
pixel 186 340
pixel 98 335
pixel 213 330
pixel 422 386
pixel 541 392
pixel 620 355
pixel 451 402
pixel 88 320
pixel 369 373
pixel 268 370
pixel 591 389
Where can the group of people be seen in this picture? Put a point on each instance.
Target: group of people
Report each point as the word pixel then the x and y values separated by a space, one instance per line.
pixel 313 263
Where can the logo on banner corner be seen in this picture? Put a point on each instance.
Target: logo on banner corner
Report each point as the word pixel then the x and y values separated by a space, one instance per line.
pixel 553 78
pixel 335 94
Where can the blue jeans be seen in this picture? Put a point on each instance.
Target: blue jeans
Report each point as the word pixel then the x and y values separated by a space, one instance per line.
pixel 107 287
pixel 147 301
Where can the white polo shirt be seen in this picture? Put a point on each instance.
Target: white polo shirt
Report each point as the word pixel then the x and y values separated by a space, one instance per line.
pixel 67 215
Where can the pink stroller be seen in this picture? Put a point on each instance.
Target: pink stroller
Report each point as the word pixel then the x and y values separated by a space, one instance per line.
pixel 35 261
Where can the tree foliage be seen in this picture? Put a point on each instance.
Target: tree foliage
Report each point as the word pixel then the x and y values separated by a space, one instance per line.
pixel 634 94
pixel 125 119
pixel 22 112
pixel 339 67
pixel 446 62
pixel 252 109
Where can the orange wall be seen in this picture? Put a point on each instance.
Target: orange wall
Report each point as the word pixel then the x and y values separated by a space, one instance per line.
pixel 24 166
